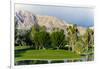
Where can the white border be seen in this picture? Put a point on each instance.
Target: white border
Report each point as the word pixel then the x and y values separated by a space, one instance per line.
pixel 38 2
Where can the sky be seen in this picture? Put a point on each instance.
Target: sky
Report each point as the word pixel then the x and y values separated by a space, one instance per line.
pixel 75 15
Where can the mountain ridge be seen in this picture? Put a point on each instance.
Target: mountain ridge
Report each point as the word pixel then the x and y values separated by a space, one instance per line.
pixel 25 20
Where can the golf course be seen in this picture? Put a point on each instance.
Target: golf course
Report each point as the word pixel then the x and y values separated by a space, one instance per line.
pixel 46 39
pixel 45 55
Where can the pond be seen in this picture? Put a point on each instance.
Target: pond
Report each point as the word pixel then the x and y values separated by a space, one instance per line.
pixel 30 62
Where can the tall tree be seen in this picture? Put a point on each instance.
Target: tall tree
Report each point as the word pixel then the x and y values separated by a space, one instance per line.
pixel 88 39
pixel 33 37
pixel 72 35
pixel 41 38
pixel 58 38
pixel 79 45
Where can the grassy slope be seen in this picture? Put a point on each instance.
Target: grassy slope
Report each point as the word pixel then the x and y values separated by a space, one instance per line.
pixel 44 54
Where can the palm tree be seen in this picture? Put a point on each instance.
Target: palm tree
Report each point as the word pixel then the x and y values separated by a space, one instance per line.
pixel 88 41
pixel 79 46
pixel 72 35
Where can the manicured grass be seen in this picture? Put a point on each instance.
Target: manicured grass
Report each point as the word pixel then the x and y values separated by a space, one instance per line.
pixel 21 47
pixel 30 54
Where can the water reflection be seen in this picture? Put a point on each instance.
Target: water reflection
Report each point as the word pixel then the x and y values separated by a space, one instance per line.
pixel 89 57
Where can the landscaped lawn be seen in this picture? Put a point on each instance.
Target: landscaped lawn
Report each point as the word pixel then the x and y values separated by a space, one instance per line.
pixel 21 47
pixel 30 54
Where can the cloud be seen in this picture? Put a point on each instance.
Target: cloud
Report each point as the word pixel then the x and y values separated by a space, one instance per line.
pixel 76 15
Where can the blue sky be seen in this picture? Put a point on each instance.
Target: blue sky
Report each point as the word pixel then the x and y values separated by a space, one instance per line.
pixel 76 15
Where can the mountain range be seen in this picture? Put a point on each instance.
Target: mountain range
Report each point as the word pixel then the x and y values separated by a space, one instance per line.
pixel 25 20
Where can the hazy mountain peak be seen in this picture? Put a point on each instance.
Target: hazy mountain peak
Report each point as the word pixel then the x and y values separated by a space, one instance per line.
pixel 25 20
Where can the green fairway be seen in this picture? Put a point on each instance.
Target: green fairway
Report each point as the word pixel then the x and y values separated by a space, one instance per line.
pixel 29 54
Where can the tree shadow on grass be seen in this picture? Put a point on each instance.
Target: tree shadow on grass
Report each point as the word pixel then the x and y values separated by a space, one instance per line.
pixel 21 51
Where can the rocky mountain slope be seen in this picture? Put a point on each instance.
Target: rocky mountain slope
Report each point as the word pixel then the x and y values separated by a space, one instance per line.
pixel 25 20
